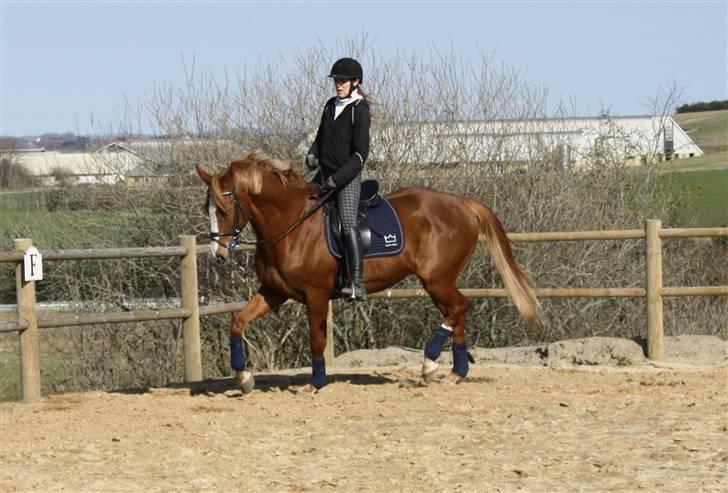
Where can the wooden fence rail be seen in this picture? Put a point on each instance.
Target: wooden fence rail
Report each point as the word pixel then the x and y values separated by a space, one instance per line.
pixel 28 323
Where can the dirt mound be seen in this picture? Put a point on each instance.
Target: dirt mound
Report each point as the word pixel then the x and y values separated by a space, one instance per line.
pixel 605 351
pixel 696 350
pixel 595 351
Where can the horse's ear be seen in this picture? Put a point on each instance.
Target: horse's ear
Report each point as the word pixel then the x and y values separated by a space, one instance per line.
pixel 204 175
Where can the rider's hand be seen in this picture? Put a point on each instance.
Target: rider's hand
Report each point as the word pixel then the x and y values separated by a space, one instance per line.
pixel 328 185
pixel 312 162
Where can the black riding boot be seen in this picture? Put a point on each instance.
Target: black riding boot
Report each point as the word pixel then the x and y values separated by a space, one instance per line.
pixel 355 263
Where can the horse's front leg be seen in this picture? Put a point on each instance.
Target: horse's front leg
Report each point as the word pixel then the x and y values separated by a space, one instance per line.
pixel 318 309
pixel 261 304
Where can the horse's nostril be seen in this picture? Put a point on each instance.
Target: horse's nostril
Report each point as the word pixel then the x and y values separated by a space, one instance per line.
pixel 222 254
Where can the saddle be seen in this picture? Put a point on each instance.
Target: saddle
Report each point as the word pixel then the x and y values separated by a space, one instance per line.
pixel 379 229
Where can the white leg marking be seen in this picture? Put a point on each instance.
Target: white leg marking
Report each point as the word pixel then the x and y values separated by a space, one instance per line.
pixel 429 368
pixel 245 380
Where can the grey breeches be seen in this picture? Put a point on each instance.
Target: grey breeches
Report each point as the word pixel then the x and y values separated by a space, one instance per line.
pixel 347 201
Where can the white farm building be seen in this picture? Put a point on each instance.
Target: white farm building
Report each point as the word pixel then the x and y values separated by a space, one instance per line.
pixel 134 162
pixel 570 141
pixel 110 164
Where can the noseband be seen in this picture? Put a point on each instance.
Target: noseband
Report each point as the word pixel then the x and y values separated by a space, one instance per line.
pixel 237 231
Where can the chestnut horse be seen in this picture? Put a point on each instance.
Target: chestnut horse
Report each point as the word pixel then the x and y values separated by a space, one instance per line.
pixel 292 259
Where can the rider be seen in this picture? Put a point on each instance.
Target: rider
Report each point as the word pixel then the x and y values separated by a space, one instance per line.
pixel 339 151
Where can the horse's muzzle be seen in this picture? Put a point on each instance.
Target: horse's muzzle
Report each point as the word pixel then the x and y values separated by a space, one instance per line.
pixel 219 252
pixel 222 253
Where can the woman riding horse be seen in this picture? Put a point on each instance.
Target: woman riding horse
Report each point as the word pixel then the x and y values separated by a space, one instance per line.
pixel 339 151
pixel 292 259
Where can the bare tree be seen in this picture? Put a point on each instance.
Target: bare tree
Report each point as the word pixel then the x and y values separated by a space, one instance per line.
pixel 13 174
pixel 661 106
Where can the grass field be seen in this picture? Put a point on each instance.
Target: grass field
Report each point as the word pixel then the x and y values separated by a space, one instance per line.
pixel 9 368
pixel 709 129
pixel 703 197
pixel 64 229
pixel 25 215
pixel 50 366
pixel 718 160
pixel 701 182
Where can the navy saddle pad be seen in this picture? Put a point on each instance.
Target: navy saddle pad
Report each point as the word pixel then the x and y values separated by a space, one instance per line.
pixel 387 237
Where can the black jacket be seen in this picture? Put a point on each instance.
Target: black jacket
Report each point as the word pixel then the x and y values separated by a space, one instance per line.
pixel 342 144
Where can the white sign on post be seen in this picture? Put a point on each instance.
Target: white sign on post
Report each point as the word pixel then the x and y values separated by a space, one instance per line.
pixel 33 265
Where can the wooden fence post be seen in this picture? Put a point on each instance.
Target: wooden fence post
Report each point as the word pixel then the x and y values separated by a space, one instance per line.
pixel 190 301
pixel 29 352
pixel 654 289
pixel 329 351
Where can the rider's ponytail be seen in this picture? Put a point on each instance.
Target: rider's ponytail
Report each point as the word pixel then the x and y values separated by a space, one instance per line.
pixel 367 99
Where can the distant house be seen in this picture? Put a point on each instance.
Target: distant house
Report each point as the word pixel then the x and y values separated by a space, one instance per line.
pixel 136 163
pixel 566 141
pixel 145 174
pixel 109 164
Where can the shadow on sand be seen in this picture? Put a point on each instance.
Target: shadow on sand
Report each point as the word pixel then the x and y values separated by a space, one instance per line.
pixel 263 382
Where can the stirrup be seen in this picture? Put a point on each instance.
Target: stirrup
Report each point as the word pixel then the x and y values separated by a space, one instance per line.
pixel 353 293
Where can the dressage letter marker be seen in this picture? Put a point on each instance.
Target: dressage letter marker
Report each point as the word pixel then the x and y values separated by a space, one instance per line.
pixel 32 265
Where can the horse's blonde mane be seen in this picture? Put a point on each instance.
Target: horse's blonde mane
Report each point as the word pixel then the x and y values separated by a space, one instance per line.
pixel 248 172
pixel 245 175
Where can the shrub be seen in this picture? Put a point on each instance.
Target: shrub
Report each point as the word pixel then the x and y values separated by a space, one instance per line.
pixel 702 106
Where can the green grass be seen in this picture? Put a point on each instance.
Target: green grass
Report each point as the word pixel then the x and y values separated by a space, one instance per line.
pixel 703 197
pixel 62 229
pixel 717 160
pixel 30 201
pixel 25 215
pixel 701 183
pixel 709 129
pixel 51 369
pixel 10 372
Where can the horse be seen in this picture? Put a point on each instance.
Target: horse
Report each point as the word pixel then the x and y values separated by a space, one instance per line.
pixel 292 260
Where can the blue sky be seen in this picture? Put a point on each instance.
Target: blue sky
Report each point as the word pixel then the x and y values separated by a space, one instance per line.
pixel 63 62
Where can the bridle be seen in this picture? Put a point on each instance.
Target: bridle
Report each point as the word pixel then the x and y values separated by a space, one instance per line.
pixel 238 230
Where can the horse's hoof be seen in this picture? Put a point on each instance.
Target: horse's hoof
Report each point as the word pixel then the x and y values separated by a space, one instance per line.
pixel 245 381
pixel 429 369
pixel 308 389
pixel 452 379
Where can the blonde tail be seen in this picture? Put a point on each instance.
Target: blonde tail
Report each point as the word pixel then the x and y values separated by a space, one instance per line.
pixel 517 282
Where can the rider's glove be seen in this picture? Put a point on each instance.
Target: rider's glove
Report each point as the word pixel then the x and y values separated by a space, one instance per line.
pixel 328 185
pixel 312 162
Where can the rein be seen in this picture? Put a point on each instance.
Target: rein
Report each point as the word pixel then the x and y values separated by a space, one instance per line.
pixel 237 231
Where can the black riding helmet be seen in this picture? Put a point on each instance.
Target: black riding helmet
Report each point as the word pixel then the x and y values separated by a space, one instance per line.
pixel 347 68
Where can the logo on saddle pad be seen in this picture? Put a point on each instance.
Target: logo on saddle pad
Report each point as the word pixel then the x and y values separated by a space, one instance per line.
pixel 387 238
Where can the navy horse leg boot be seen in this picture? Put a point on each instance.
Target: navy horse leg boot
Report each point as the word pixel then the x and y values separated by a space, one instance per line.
pixel 355 262
pixel 460 360
pixel 243 377
pixel 432 352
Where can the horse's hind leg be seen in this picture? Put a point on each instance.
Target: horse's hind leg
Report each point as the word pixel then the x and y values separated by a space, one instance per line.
pixel 454 307
pixel 261 304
